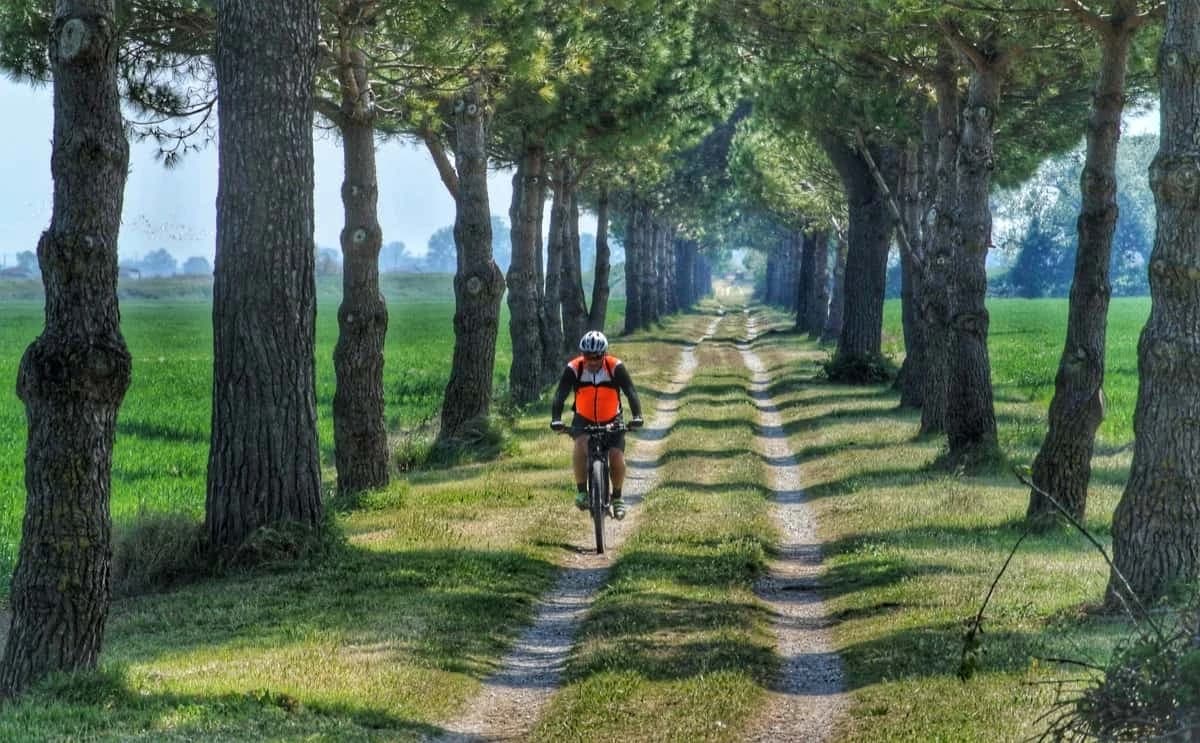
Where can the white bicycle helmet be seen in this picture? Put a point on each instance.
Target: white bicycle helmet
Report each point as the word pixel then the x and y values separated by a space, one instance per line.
pixel 593 341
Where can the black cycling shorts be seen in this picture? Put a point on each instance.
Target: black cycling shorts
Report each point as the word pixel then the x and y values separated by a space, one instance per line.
pixel 615 440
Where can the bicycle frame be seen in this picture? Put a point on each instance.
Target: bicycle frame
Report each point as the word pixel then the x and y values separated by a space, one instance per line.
pixel 598 479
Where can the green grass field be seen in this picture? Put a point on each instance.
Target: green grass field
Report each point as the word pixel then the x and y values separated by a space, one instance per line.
pixel 161 451
pixel 162 438
pixel 393 634
pixel 911 551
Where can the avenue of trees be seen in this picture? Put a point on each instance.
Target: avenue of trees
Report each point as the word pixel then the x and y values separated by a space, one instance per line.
pixel 820 134
pixel 480 83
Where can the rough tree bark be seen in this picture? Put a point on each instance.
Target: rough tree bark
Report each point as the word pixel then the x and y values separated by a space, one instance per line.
pixel 264 465
pixel 837 299
pixel 935 290
pixel 805 287
pixel 359 435
pixel 73 377
pixel 633 251
pixel 1156 527
pixel 970 411
pixel 667 293
pixel 770 280
pixel 552 325
pixel 478 283
pixel 911 379
pixel 685 252
pixel 574 305
pixel 647 273
pixel 1063 465
pixel 870 230
pixel 524 277
pixel 816 303
pixel 600 286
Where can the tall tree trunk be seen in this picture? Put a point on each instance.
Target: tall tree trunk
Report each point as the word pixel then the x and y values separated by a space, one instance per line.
pixel 911 380
pixel 478 283
pixel 552 326
pixel 73 377
pixel 670 294
pixel 970 413
pixel 645 272
pixel 769 282
pixel 703 276
pixel 664 271
pixel 359 436
pixel 633 250
pixel 574 306
pixel 837 299
pixel 686 272
pixel 816 304
pixel 866 263
pixel 1156 527
pixel 600 285
pixel 1063 465
pixel 789 259
pixel 649 272
pixel 264 464
pixel 805 287
pixel 524 277
pixel 939 247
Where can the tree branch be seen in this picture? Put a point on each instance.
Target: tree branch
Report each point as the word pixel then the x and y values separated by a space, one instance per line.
pixel 440 159
pixel 329 110
pixel 1085 16
pixel 881 182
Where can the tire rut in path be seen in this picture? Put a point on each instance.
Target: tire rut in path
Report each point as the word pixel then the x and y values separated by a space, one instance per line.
pixel 809 698
pixel 511 700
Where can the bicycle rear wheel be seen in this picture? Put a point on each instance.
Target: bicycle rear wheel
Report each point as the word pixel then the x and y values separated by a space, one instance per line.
pixel 597 485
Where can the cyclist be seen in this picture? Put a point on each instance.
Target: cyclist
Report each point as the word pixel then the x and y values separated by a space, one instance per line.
pixel 597 379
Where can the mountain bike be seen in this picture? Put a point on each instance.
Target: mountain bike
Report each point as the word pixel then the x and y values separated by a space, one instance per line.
pixel 599 486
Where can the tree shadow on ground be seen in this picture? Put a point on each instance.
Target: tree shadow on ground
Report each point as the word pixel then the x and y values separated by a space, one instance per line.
pixel 998 537
pixel 644 633
pixel 934 650
pixel 884 476
pixel 714 489
pixel 894 414
pixel 826 394
pixel 454 609
pixel 109 704
pixel 157 431
pixel 677 454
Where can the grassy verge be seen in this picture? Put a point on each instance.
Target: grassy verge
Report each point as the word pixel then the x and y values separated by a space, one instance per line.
pixel 911 553
pixel 381 640
pixel 677 647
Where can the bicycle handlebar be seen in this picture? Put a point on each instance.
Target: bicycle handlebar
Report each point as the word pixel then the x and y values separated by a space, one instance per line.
pixel 614 427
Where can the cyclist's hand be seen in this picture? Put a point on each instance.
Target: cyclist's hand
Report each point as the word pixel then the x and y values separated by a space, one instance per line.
pixel 557 426
pixel 636 423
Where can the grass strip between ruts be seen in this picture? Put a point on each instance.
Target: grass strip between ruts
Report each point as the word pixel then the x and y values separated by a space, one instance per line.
pixel 677 647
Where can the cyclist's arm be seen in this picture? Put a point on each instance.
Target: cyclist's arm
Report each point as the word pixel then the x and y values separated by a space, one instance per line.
pixel 565 385
pixel 625 382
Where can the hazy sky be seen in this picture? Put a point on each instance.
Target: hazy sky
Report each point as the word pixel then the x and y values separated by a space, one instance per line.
pixel 176 209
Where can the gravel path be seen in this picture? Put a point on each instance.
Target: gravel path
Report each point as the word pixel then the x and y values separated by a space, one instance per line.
pixel 512 699
pixel 810 696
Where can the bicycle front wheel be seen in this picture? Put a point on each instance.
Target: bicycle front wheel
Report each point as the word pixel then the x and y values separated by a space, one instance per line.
pixel 596 490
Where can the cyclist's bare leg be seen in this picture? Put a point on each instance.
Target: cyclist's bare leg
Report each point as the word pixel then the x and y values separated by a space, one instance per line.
pixel 616 468
pixel 579 459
